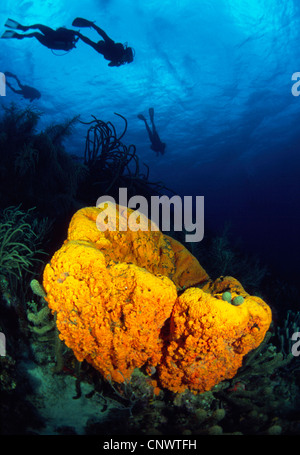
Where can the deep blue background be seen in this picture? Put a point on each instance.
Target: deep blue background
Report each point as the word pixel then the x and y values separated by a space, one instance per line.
pixel 218 74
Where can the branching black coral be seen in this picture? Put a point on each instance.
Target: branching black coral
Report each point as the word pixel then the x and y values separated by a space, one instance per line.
pixel 102 140
pixel 35 166
pixel 111 162
pixel 58 131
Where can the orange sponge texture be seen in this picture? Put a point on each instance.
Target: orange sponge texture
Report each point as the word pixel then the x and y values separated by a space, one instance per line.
pixel 209 336
pixel 125 299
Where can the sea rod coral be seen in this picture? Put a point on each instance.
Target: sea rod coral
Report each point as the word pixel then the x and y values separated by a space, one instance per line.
pixel 127 299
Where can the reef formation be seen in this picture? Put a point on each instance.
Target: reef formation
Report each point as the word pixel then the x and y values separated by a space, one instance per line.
pixel 127 299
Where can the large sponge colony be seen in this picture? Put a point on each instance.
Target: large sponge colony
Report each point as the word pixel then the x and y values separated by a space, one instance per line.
pixel 128 299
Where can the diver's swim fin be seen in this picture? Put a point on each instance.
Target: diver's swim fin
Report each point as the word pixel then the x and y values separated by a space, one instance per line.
pixel 80 22
pixel 11 24
pixel 8 73
pixel 141 117
pixel 9 34
pixel 151 113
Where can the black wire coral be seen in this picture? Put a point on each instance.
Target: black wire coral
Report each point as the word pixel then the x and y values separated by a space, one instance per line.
pixel 111 163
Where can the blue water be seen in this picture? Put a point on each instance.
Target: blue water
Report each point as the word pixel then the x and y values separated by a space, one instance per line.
pixel 219 76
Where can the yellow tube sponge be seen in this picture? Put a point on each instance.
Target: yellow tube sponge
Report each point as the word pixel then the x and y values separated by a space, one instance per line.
pixel 127 298
pixel 209 337
pixel 109 316
pixel 150 249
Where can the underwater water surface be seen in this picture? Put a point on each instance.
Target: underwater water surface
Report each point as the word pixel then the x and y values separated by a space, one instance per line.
pixel 219 76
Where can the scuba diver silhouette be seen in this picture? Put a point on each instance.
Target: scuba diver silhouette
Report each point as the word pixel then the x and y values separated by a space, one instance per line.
pixel 117 53
pixel 26 91
pixel 60 39
pixel 156 144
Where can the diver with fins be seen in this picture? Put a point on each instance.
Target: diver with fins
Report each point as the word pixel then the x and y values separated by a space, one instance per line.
pixel 26 91
pixel 117 53
pixel 59 39
pixel 156 144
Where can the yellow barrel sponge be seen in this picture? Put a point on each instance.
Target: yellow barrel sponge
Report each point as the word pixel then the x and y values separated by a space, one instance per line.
pixel 115 292
pixel 209 338
pixel 109 316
